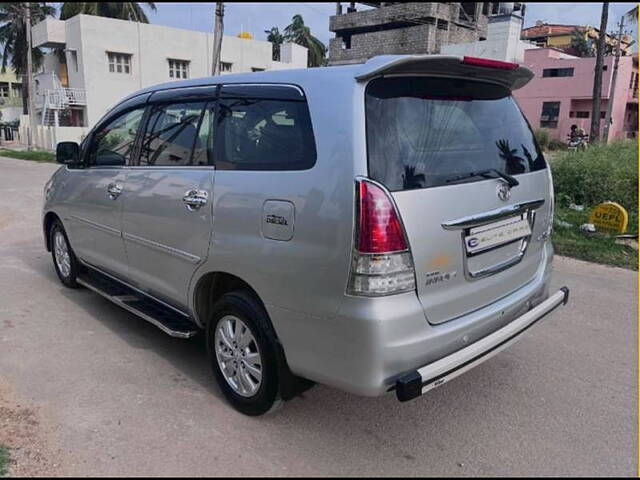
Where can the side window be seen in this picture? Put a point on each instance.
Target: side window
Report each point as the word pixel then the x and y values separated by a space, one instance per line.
pixel 172 134
pixel 113 143
pixel 260 134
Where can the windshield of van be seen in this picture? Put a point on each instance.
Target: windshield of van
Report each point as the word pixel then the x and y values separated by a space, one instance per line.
pixel 426 132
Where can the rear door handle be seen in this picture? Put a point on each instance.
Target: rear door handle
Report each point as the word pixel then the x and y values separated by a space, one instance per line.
pixel 194 199
pixel 114 190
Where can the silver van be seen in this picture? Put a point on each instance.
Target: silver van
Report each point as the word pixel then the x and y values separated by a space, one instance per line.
pixel 377 227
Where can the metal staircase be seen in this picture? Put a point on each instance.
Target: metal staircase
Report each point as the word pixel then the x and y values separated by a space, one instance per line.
pixel 58 99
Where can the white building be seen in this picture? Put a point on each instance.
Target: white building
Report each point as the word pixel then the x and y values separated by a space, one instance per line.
pixel 502 42
pixel 105 59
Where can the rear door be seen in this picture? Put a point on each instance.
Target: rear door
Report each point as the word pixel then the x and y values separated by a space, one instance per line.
pixel 167 204
pixel 436 143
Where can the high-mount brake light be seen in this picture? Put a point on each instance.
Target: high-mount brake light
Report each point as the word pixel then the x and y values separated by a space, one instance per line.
pixel 488 63
pixel 381 262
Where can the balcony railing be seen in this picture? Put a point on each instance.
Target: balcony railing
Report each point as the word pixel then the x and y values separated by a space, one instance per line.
pixel 61 98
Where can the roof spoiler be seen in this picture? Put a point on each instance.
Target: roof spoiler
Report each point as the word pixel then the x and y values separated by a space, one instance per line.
pixel 510 75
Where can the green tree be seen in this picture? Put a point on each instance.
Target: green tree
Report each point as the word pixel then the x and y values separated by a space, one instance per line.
pixel 122 10
pixel 277 39
pixel 298 32
pixel 581 44
pixel 13 38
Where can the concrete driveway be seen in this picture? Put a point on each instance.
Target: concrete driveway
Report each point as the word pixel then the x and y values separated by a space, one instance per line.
pixel 88 389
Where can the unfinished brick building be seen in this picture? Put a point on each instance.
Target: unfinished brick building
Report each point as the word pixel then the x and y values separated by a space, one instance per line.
pixel 405 28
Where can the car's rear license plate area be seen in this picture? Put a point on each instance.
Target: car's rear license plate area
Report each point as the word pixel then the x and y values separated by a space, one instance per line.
pixel 486 237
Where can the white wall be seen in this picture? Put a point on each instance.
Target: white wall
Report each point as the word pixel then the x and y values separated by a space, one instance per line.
pixel 502 43
pixel 9 114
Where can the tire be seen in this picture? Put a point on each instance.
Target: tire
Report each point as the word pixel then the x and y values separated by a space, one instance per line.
pixel 68 268
pixel 233 354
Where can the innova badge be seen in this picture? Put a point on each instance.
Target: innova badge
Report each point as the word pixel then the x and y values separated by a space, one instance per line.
pixel 504 191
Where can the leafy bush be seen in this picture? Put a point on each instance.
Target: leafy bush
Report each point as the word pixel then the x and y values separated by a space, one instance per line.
pixel 601 173
pixel 542 136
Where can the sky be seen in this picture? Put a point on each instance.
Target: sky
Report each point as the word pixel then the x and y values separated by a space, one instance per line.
pixel 257 17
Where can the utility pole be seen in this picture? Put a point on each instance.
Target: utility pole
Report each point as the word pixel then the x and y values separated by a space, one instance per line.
pixel 31 110
pixel 612 90
pixel 218 29
pixel 594 134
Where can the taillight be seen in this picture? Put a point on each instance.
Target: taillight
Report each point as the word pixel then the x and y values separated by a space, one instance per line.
pixel 381 262
pixel 487 62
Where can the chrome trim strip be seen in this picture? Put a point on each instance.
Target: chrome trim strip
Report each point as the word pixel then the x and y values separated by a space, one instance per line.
pixel 128 285
pixel 120 302
pixel 451 366
pixel 492 215
pixel 163 248
pixel 99 226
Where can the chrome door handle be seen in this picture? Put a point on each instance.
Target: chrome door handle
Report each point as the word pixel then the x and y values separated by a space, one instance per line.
pixel 194 199
pixel 114 190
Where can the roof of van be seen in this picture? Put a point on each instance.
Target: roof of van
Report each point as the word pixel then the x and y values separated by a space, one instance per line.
pixel 509 75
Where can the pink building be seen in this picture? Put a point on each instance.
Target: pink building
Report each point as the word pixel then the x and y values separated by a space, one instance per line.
pixel 561 93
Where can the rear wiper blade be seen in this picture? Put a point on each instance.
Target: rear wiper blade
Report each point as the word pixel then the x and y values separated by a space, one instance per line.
pixel 489 173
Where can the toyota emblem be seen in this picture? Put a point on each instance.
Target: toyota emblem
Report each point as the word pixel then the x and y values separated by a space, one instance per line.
pixel 504 191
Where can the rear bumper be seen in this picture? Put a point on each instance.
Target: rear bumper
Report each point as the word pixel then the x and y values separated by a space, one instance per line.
pixel 418 382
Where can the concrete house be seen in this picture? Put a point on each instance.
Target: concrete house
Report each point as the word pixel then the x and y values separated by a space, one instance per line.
pixel 407 27
pixel 560 94
pixel 96 61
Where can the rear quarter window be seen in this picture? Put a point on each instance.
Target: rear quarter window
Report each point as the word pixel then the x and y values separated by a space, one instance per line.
pixel 422 131
pixel 263 134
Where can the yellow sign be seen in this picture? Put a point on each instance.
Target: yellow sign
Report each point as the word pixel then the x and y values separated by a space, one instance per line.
pixel 610 217
pixel 246 35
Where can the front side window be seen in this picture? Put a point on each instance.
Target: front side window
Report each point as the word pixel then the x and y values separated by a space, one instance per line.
pixel 119 62
pixel 427 132
pixel 178 69
pixel 550 114
pixel 113 143
pixel 260 134
pixel 171 134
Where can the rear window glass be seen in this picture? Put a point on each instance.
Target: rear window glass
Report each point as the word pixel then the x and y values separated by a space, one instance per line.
pixel 260 134
pixel 425 132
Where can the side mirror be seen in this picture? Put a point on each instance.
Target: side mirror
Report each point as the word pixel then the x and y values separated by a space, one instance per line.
pixel 68 153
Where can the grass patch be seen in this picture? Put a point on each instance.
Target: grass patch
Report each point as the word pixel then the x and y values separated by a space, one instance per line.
pixel 571 242
pixel 35 155
pixel 602 173
pixel 4 461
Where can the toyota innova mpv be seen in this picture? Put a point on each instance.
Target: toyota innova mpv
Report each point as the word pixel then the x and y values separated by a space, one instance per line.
pixel 377 227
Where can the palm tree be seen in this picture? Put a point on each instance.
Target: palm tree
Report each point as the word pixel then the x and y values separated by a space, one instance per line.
pixel 122 10
pixel 594 134
pixel 298 32
pixel 277 39
pixel 13 38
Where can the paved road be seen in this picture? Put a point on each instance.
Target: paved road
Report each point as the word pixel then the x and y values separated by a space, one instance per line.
pixel 112 395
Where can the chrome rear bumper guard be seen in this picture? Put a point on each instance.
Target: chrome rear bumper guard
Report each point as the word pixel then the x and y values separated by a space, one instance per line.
pixel 418 382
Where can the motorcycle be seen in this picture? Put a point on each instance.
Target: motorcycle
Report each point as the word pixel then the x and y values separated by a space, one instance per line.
pixel 577 142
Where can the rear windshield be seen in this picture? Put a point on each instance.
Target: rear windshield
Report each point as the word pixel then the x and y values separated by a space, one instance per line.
pixel 427 132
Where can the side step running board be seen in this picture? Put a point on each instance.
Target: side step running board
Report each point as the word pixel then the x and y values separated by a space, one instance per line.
pixel 166 319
